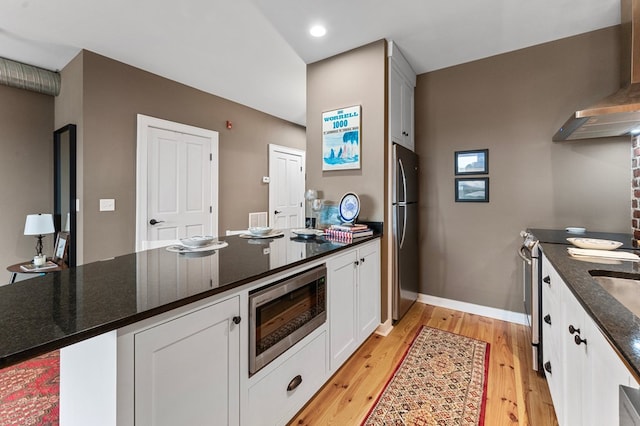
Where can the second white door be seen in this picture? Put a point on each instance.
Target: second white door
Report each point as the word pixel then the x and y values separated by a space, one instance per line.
pixel 286 189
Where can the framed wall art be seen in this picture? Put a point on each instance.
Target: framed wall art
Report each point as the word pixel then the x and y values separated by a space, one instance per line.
pixel 472 190
pixel 474 162
pixel 341 139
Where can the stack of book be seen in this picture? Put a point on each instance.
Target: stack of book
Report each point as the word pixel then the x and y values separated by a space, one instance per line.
pixel 348 232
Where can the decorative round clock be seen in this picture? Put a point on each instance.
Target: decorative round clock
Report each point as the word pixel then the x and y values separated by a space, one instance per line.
pixel 349 207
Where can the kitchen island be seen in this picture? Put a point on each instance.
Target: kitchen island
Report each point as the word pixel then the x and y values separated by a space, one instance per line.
pixel 105 306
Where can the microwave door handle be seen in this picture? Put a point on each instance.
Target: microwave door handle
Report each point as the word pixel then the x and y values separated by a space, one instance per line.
pixel 523 256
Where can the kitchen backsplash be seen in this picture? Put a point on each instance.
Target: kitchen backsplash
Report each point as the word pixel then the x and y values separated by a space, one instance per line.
pixel 635 184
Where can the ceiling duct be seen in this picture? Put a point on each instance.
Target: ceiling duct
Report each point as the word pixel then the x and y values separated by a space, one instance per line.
pixel 23 76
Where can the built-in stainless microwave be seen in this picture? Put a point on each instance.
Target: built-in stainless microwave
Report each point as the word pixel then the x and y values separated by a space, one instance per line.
pixel 283 313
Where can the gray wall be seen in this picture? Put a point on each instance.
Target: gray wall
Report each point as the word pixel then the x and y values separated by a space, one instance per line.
pixel 112 94
pixel 357 77
pixel 512 104
pixel 26 170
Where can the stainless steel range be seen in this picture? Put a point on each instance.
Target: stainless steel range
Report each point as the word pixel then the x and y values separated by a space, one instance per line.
pixel 529 252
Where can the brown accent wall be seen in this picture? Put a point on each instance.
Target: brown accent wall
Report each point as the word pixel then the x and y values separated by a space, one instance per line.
pixel 512 104
pixel 356 77
pixel 26 170
pixel 113 94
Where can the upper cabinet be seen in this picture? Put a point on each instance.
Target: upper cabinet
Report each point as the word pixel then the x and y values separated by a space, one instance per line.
pixel 402 82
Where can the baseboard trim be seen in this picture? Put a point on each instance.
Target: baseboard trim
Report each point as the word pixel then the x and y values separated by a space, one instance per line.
pixel 385 328
pixel 485 311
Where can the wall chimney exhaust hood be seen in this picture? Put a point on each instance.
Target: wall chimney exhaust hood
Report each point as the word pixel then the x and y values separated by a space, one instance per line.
pixel 618 114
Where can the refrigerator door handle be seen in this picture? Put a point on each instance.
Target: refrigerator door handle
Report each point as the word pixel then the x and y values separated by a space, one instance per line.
pixel 404 226
pixel 404 182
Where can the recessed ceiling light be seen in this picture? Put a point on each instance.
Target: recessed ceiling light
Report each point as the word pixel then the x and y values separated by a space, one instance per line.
pixel 318 31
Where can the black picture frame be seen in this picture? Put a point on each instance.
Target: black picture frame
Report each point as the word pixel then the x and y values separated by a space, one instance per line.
pixel 61 249
pixel 472 190
pixel 472 162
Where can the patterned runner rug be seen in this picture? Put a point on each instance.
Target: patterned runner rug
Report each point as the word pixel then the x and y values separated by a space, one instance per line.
pixel 29 392
pixel 442 380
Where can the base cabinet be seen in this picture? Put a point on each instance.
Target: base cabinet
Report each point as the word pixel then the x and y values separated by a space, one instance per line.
pixel 354 300
pixel 277 396
pixel 187 369
pixel 582 369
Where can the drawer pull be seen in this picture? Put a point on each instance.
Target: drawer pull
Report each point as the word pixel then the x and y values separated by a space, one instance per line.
pixel 547 319
pixel 547 280
pixel 573 330
pixel 547 367
pixel 236 320
pixel 294 383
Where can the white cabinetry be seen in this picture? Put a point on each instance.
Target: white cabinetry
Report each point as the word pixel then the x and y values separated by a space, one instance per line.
pixel 187 370
pixel 276 396
pixel 354 300
pixel 402 81
pixel 583 371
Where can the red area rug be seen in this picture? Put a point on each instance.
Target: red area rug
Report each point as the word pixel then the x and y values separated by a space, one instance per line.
pixel 29 392
pixel 441 380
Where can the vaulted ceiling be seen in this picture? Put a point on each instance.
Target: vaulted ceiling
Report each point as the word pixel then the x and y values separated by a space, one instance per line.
pixel 255 51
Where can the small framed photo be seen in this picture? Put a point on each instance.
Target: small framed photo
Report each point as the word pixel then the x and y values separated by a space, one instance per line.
pixel 61 248
pixel 472 190
pixel 472 162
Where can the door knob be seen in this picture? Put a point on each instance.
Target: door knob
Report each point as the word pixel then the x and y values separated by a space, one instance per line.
pixel 154 222
pixel 277 211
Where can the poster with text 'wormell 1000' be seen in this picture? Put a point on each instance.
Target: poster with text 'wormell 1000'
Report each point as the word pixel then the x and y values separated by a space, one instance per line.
pixel 341 139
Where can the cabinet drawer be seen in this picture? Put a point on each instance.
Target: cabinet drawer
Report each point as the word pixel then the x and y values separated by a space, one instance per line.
pixel 271 403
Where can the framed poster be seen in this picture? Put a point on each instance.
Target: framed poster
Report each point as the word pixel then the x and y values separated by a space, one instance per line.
pixel 472 162
pixel 472 190
pixel 341 139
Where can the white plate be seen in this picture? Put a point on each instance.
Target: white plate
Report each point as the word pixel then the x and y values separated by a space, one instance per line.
pixel 197 241
pixel 307 232
pixel 271 234
pixel 616 255
pixel 184 249
pixel 595 244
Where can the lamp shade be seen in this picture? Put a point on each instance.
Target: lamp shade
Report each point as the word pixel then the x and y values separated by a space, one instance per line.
pixel 39 224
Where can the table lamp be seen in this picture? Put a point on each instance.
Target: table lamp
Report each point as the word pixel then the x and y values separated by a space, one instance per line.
pixel 39 225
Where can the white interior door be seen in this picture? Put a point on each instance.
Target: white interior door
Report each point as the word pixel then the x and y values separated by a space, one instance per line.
pixel 286 188
pixel 177 182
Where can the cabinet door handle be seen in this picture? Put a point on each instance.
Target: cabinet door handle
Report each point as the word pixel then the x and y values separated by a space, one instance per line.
pixel 547 319
pixel 547 280
pixel 357 262
pixel 362 260
pixel 294 383
pixel 237 319
pixel 547 367
pixel 578 340
pixel 573 330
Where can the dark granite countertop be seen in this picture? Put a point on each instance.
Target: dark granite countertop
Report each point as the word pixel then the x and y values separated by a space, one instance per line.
pixel 619 325
pixel 61 308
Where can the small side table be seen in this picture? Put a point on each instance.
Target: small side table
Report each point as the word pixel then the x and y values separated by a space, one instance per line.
pixel 16 269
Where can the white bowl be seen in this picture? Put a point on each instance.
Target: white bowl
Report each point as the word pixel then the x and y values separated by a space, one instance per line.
pixel 575 230
pixel 197 241
pixel 259 230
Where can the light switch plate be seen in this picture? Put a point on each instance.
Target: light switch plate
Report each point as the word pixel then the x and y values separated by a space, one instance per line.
pixel 107 204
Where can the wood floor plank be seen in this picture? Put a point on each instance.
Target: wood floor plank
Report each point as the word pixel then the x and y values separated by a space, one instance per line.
pixel 516 395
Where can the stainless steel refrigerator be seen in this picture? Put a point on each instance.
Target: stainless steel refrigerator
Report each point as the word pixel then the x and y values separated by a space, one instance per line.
pixel 405 230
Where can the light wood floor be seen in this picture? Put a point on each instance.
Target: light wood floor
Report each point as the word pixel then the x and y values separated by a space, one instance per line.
pixel 515 394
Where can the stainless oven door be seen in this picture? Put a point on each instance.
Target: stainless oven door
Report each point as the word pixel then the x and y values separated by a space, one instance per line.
pixel 529 253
